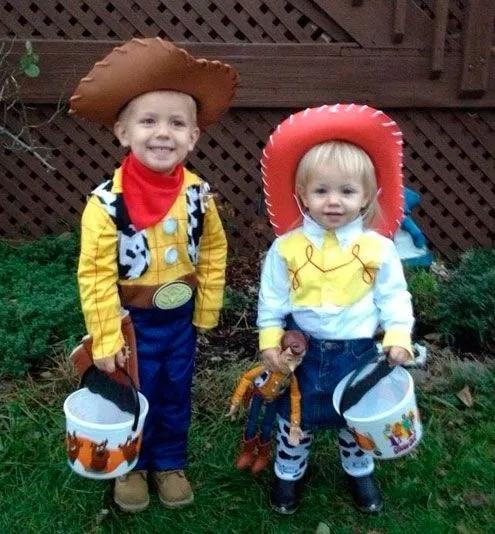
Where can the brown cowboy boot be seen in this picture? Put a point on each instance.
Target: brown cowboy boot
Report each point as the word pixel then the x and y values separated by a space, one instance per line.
pixel 248 453
pixel 174 490
pixel 263 457
pixel 131 492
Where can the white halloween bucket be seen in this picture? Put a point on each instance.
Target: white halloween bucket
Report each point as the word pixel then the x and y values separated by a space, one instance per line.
pixel 381 413
pixel 102 440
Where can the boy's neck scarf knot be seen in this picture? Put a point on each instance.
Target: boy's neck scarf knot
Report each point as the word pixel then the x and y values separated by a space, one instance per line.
pixel 148 195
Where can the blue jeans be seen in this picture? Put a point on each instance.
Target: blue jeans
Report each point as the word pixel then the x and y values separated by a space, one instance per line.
pixel 257 404
pixel 325 364
pixel 166 346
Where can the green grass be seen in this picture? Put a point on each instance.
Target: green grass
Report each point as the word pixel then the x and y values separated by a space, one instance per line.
pixel 445 487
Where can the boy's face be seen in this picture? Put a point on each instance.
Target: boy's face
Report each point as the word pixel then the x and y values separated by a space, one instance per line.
pixel 160 129
pixel 333 200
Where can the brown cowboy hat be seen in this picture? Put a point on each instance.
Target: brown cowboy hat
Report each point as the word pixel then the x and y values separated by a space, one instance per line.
pixel 152 64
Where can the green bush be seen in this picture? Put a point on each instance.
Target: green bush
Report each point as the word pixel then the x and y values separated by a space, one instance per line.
pixel 424 287
pixel 466 307
pixel 39 307
pixel 238 302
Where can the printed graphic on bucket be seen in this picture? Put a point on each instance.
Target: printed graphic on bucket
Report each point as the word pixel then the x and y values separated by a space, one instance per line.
pixel 88 457
pixel 402 435
pixel 102 440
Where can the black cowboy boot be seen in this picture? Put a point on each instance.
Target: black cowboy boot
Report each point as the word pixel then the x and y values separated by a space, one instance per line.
pixel 366 494
pixel 285 495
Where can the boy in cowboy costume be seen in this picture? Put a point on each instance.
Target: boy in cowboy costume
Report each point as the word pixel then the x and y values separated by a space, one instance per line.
pixel 152 242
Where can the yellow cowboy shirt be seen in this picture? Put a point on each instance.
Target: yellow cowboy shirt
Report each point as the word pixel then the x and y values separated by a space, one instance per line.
pixel 157 255
pixel 339 284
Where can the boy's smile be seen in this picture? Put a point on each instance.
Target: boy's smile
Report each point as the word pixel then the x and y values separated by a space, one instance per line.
pixel 160 129
pixel 333 200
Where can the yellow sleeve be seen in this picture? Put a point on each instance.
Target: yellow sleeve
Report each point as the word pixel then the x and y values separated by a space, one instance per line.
pixel 270 337
pixel 210 270
pixel 397 337
pixel 244 383
pixel 295 402
pixel 97 277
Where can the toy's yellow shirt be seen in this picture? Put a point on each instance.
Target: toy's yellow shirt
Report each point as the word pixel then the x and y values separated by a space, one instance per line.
pixel 330 274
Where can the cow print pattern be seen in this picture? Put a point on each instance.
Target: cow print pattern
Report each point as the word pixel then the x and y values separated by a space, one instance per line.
pixel 134 253
pixel 291 462
pixel 355 461
pixel 196 196
pixel 134 256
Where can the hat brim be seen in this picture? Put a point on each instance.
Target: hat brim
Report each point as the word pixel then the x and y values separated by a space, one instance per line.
pixel 143 65
pixel 376 133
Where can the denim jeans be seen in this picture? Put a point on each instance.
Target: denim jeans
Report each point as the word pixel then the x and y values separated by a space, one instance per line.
pixel 325 364
pixel 258 405
pixel 166 346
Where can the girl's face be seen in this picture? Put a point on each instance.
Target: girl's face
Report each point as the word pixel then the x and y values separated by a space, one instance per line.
pixel 333 200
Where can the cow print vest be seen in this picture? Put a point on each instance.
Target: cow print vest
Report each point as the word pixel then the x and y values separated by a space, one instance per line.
pixel 133 251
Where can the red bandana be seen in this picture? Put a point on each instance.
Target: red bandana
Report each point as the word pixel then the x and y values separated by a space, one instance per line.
pixel 148 195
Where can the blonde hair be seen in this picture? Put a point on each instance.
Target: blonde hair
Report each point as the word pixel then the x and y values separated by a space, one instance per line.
pixel 349 159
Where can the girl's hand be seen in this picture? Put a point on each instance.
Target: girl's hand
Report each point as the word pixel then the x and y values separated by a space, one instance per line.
pixel 108 364
pixel 271 359
pixel 397 356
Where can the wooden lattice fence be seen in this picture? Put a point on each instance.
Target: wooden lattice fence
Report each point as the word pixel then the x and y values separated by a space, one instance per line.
pixel 450 141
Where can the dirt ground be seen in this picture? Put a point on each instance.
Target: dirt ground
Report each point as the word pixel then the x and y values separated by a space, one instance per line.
pixel 236 335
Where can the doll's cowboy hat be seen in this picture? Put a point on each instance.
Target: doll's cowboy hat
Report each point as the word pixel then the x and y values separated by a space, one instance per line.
pixel 378 135
pixel 152 64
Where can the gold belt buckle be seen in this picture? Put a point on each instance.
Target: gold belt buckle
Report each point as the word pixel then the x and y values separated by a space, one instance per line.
pixel 172 295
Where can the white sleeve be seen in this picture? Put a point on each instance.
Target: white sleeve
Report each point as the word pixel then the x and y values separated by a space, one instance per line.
pixel 274 301
pixel 392 298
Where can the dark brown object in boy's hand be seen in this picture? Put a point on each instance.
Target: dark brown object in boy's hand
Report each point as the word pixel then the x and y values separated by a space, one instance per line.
pixel 82 357
pixel 296 340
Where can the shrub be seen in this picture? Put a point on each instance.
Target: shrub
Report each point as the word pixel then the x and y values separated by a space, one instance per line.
pixel 466 306
pixel 39 301
pixel 424 287
pixel 236 301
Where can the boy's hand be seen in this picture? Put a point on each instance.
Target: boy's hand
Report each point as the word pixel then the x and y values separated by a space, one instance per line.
pixel 271 359
pixel 108 364
pixel 397 356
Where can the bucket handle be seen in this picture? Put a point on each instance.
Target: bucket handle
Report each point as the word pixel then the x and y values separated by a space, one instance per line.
pixel 352 393
pixel 135 397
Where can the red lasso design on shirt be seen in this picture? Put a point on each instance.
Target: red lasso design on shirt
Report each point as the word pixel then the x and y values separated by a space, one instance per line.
pixel 367 275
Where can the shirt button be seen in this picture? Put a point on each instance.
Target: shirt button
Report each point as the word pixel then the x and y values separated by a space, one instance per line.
pixel 170 225
pixel 171 255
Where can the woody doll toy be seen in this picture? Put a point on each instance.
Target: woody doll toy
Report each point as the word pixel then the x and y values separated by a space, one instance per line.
pixel 152 242
pixel 260 388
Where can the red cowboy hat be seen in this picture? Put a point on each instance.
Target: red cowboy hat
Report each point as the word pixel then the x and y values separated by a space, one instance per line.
pixel 143 65
pixel 378 135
